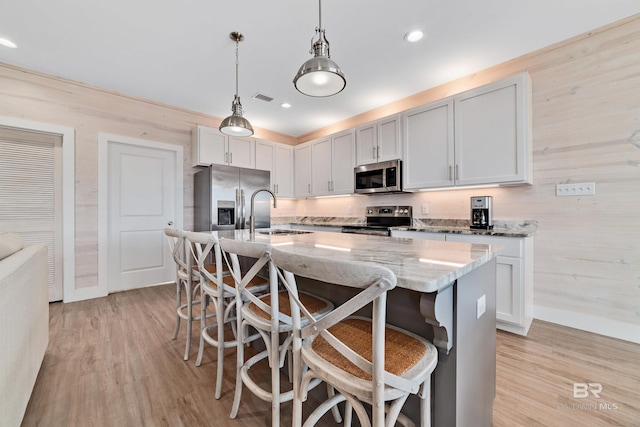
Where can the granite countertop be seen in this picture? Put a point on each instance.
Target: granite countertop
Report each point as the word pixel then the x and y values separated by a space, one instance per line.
pixel 523 228
pixel 420 265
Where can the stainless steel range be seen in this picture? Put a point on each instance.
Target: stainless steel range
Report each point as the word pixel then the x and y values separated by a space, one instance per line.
pixel 380 219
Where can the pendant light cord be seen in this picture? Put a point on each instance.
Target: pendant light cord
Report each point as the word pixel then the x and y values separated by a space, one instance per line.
pixel 237 62
pixel 320 15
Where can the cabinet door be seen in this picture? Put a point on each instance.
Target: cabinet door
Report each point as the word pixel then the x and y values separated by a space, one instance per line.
pixel 342 162
pixel 302 167
pixel 241 152
pixel 509 290
pixel 265 159
pixel 283 164
pixel 208 146
pixel 321 167
pixel 492 133
pixel 389 147
pixel 366 144
pixel 428 146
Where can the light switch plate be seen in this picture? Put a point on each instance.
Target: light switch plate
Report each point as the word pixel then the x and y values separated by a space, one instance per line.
pixel 579 189
pixel 481 306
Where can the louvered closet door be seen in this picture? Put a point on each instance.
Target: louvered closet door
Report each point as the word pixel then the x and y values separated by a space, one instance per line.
pixel 30 194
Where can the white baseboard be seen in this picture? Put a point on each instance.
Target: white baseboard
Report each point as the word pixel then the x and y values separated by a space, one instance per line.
pixel 585 322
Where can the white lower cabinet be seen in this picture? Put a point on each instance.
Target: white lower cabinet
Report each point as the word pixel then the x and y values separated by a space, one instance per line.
pixel 514 275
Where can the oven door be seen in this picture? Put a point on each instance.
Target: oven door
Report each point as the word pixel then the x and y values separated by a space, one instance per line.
pixel 370 231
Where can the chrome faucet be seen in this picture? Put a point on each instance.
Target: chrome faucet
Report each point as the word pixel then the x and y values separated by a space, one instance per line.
pixel 252 218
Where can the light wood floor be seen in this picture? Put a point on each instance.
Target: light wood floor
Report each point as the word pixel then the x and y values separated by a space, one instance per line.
pixel 111 362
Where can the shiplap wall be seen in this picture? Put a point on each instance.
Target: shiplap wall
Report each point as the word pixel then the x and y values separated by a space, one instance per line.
pixel 586 127
pixel 36 97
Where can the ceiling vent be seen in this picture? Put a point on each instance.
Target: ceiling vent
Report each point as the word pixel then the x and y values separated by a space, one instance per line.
pixel 262 97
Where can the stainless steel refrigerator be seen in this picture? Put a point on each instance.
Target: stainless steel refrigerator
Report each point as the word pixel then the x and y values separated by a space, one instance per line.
pixel 222 197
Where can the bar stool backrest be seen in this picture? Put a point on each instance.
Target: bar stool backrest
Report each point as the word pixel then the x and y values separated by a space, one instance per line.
pixel 205 246
pixel 372 280
pixel 177 244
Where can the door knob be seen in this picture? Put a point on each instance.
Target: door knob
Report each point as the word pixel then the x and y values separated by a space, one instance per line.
pixel 170 223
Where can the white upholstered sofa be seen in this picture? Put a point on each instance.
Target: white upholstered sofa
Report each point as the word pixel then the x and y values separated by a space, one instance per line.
pixel 24 323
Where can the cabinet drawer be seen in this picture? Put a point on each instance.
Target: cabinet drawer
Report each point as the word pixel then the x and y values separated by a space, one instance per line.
pixel 512 246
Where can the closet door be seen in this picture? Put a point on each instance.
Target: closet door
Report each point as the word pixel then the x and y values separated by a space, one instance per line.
pixel 31 194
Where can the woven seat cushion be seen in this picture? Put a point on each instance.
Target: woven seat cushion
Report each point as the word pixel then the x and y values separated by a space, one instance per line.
pixel 401 351
pixel 313 304
pixel 228 280
pixel 211 268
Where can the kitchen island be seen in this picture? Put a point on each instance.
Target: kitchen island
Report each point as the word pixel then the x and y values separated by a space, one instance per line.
pixel 445 292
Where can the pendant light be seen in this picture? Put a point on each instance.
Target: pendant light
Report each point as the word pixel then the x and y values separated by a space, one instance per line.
pixel 320 76
pixel 235 124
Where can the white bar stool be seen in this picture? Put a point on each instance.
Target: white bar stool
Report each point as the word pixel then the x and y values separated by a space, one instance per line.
pixel 364 359
pixel 217 287
pixel 270 316
pixel 187 279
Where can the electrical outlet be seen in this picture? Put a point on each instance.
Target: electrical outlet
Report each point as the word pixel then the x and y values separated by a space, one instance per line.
pixel 424 208
pixel 481 306
pixel 580 189
pixel 350 210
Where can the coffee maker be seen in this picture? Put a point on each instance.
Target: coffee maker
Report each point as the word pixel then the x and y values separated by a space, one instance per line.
pixel 481 212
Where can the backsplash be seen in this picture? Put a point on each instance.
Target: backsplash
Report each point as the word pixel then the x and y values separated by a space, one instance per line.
pixel 509 203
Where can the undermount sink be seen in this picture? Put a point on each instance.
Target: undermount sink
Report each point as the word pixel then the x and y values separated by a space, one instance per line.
pixel 282 232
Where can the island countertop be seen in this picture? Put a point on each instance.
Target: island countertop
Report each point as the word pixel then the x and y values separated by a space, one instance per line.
pixel 420 265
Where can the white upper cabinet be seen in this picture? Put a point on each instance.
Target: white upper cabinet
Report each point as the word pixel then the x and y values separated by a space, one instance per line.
pixel 277 159
pixel 333 163
pixel 342 162
pixel 321 167
pixel 379 141
pixel 493 133
pixel 302 170
pixel 265 152
pixel 210 146
pixel 283 164
pixel 428 146
pixel 479 137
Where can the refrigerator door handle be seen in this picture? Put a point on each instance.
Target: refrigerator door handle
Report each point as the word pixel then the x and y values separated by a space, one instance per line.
pixel 237 214
pixel 242 220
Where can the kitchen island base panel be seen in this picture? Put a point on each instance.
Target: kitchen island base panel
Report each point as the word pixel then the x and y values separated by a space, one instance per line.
pixel 470 367
pixel 463 385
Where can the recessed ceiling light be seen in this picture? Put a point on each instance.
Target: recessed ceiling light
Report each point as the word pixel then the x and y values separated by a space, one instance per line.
pixel 285 105
pixel 7 43
pixel 413 36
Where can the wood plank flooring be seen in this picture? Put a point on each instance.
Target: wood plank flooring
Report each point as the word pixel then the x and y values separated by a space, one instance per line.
pixel 111 362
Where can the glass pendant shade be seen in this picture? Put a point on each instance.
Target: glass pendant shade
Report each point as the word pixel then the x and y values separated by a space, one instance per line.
pixel 235 124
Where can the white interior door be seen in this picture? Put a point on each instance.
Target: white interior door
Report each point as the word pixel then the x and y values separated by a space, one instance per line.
pixel 31 194
pixel 142 200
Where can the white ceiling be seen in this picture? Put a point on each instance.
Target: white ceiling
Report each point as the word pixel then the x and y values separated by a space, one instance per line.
pixel 179 52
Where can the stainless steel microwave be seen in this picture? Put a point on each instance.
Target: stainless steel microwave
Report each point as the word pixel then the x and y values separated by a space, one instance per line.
pixel 383 177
